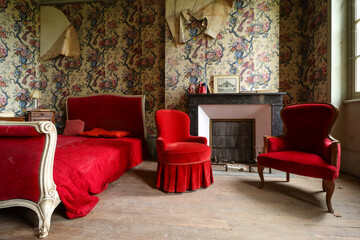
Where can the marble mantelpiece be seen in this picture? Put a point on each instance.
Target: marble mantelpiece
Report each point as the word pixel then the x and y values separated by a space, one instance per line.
pixel 275 100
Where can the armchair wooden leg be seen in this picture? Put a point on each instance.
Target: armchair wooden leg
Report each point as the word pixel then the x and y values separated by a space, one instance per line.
pixel 288 177
pixel 330 187
pixel 261 175
pixel 323 186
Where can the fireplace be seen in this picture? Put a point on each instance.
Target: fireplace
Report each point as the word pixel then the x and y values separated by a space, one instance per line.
pixel 260 110
pixel 232 140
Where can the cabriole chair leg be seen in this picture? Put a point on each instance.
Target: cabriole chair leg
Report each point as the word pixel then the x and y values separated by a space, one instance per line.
pixel 323 186
pixel 330 187
pixel 261 175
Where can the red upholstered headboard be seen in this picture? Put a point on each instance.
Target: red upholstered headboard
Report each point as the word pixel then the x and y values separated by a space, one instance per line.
pixel 109 112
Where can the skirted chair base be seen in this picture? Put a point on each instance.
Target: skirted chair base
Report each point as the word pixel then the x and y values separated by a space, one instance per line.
pixel 181 177
pixel 183 160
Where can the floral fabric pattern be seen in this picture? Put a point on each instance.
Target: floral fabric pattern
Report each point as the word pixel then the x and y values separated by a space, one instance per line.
pixel 248 46
pixel 303 51
pixel 126 48
pixel 122 52
pixel 19 53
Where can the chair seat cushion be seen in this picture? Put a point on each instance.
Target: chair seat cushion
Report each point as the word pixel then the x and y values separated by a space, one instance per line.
pixel 179 153
pixel 300 163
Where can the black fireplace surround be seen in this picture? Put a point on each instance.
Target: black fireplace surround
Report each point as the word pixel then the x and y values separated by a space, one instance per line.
pixel 273 99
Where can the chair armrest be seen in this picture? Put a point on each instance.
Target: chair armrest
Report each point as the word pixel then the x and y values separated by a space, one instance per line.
pixel 161 144
pixel 274 144
pixel 197 139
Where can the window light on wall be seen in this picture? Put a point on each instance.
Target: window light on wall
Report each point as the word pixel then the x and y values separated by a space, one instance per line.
pixel 355 50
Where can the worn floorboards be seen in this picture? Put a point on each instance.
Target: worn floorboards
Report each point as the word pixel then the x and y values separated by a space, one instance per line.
pixel 232 208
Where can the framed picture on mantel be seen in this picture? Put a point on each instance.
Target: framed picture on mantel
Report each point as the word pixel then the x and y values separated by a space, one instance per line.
pixel 226 84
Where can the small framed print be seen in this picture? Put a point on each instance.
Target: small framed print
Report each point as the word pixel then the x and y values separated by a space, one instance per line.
pixel 226 84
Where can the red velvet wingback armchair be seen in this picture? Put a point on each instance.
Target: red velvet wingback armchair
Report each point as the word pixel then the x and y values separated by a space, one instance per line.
pixel 183 160
pixel 306 148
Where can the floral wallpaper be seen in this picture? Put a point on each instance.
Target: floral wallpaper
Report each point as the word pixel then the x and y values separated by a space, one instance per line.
pixel 19 53
pixel 127 48
pixel 248 46
pixel 303 50
pixel 122 51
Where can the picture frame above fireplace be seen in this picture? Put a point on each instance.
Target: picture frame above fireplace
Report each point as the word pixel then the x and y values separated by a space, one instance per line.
pixel 226 83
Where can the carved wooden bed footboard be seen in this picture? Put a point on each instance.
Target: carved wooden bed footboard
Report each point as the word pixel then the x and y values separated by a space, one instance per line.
pixel 26 169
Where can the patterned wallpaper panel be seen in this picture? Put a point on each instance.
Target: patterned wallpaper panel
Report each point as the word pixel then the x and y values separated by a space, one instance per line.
pixel 19 53
pixel 247 45
pixel 303 50
pixel 127 48
pixel 122 51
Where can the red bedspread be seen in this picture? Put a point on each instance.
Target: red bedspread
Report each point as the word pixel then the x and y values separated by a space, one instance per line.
pixel 85 166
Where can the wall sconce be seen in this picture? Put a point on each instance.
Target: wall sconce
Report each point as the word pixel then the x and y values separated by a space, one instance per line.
pixel 36 95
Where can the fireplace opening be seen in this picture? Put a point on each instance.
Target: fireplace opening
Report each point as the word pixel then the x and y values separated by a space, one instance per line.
pixel 232 141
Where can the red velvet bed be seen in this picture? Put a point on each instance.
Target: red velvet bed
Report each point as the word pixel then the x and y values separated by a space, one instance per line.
pixel 39 168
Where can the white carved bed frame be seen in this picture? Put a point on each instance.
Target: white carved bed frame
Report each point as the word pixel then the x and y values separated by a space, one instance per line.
pixel 49 197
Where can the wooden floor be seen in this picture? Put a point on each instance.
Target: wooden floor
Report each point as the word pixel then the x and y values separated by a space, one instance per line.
pixel 232 208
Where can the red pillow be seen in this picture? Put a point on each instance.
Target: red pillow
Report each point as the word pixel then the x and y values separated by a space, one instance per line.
pixel 93 133
pixel 115 134
pixel 74 127
pixel 98 132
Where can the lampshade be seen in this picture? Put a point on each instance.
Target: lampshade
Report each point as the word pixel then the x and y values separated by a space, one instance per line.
pixel 36 94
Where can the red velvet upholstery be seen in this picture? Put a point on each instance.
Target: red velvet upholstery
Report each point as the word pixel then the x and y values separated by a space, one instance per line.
pixel 18 131
pixel 306 148
pixel 115 134
pixel 184 160
pixel 74 127
pixel 20 153
pixel 302 163
pixel 307 128
pixel 109 112
pixel 85 166
pixel 98 132
pixel 185 153
pixel 112 113
pixel 82 166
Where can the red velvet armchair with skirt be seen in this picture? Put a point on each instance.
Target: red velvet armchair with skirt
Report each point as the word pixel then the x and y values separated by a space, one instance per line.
pixel 183 160
pixel 306 148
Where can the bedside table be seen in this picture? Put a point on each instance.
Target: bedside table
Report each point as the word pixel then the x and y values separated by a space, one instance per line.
pixel 41 115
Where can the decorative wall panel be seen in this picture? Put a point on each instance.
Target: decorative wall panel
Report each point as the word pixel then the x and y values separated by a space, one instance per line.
pixel 19 52
pixel 127 48
pixel 122 51
pixel 247 45
pixel 303 50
